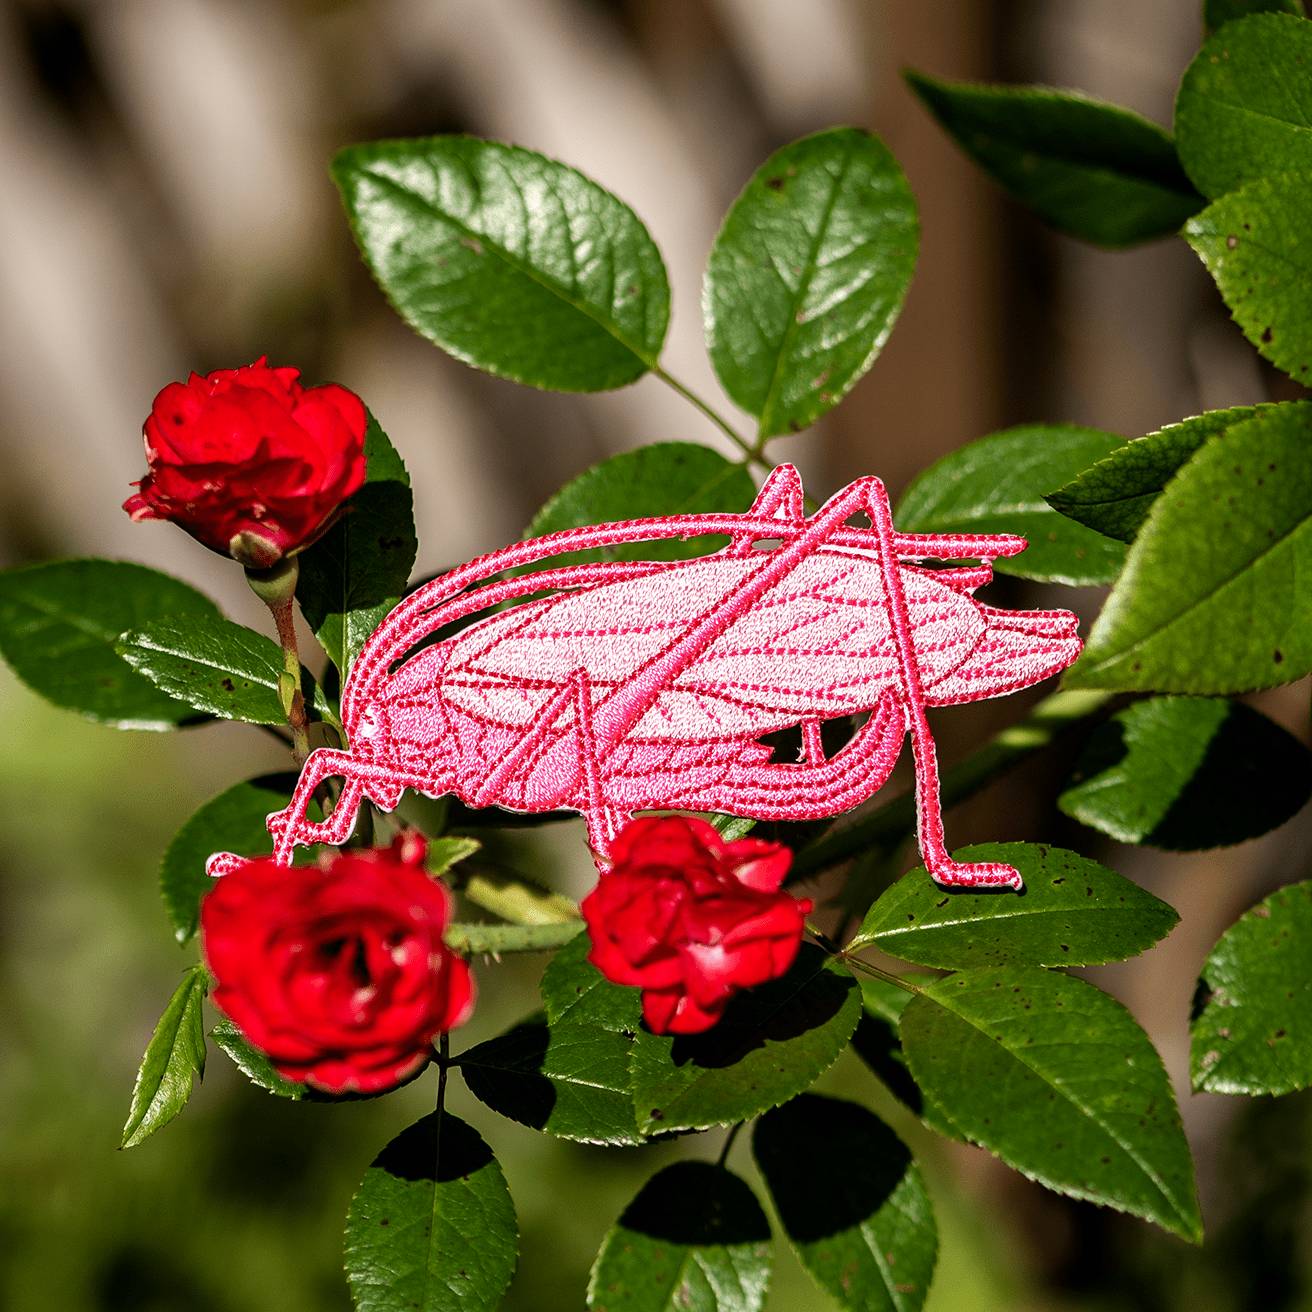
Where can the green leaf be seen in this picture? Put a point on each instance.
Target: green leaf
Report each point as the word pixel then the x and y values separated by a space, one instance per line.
pixel 668 478
pixel 1256 245
pixel 851 1201
pixel 1094 170
pixel 1216 594
pixel 432 1225
pixel 1254 1033
pixel 175 1050
pixel 444 853
pixel 574 990
pixel 508 260
pixel 694 1239
pixel 217 666
pixel 1058 1080
pixel 807 276
pixel 358 570
pixel 1115 495
pixel 997 485
pixel 1186 773
pixel 876 1042
pixel 1218 12
pixel 771 1042
pixel 254 1064
pixel 59 624
pixel 1072 912
pixel 1244 108
pixel 234 821
pixel 569 1080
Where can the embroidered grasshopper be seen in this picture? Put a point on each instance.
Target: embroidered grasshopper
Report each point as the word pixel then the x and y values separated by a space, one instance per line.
pixel 647 685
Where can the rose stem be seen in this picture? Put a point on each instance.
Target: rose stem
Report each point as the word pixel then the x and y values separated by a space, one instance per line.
pixel 728 1143
pixel 276 588
pixel 443 1063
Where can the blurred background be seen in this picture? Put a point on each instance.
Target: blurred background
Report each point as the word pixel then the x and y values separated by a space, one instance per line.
pixel 165 206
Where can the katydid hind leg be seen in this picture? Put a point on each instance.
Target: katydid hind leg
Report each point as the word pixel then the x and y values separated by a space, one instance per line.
pixel 929 807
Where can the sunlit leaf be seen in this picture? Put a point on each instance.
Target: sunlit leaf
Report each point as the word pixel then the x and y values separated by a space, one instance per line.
pixel 1257 247
pixel 175 1050
pixel 1116 494
pixel 508 260
pixel 771 1042
pixel 432 1225
pixel 808 275
pixel 1216 594
pixel 567 1079
pixel 1058 1080
pixel 1254 1032
pixel 667 478
pixel 694 1239
pixel 1071 912
pixel 997 485
pixel 1244 108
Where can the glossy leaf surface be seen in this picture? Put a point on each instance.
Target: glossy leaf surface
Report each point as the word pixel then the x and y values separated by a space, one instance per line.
pixel 852 1202
pixel 1216 595
pixel 997 485
pixel 1058 1080
pixel 694 1239
pixel 807 276
pixel 575 991
pixel 771 1042
pixel 59 624
pixel 254 1065
pixel 508 260
pixel 217 666
pixel 1115 495
pixel 358 570
pixel 176 1048
pixel 234 821
pixel 1186 773
pixel 1094 170
pixel 1072 912
pixel 1244 108
pixel 1254 1033
pixel 567 1079
pixel 432 1225
pixel 667 478
pixel 1257 247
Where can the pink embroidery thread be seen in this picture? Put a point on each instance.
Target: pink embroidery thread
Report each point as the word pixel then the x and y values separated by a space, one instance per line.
pixel 645 685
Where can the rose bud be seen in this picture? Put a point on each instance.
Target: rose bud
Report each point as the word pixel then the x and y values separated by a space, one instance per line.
pixel 338 973
pixel 691 919
pixel 249 462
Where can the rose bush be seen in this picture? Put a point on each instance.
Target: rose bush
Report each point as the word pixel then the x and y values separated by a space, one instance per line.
pixel 692 919
pixel 339 974
pixel 249 462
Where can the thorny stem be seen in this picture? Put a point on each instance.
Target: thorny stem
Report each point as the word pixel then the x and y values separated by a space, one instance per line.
pixel 276 587
pixel 728 1143
pixel 751 453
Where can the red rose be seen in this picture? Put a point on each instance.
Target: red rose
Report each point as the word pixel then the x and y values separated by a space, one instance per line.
pixel 691 919
pixel 338 973
pixel 249 462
